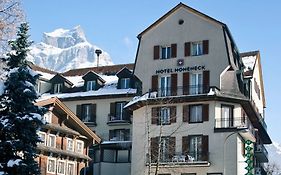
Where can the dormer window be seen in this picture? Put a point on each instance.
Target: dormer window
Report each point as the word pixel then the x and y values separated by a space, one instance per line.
pixel 91 85
pixel 125 83
pixel 57 88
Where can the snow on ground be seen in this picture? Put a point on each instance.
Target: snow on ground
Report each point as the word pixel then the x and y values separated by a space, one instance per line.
pixel 12 163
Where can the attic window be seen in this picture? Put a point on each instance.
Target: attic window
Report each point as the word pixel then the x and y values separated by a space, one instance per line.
pixel 181 21
pixel 91 85
pixel 57 88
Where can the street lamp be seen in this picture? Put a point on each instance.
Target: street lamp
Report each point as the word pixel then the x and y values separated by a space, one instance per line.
pixel 98 52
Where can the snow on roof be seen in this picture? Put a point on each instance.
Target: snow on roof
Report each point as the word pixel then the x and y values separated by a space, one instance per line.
pixel 107 90
pixel 140 98
pixel 76 80
pixel 45 75
pixel 249 62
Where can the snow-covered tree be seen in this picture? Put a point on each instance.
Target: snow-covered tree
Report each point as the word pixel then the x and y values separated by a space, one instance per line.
pixel 20 119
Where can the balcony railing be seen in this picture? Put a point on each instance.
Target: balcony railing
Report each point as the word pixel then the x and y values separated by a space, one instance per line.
pixel 181 90
pixel 119 118
pixel 231 122
pixel 261 153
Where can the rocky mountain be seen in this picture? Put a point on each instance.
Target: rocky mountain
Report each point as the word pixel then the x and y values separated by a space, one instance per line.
pixel 274 153
pixel 64 49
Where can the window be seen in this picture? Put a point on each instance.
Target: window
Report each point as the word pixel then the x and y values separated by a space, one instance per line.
pixel 214 173
pixel 195 147
pixel 88 113
pixel 165 52
pixel 61 167
pixel 109 155
pixel 165 86
pixel 195 113
pixel 42 137
pixel 164 115
pixel 125 83
pixel 69 145
pixel 48 117
pixel 196 82
pixel 188 173
pixel 79 146
pixel 51 141
pixel 123 156
pixel 57 88
pixel 197 48
pixel 164 149
pixel 70 168
pixel 119 135
pixel 226 116
pixel 119 111
pixel 91 85
pixel 51 165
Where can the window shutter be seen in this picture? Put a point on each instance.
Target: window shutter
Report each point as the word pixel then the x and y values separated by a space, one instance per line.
pixel 205 142
pixel 154 83
pixel 172 147
pixel 112 109
pixel 154 149
pixel 187 46
pixel 206 81
pixel 205 46
pixel 94 110
pixel 174 83
pixel 205 112
pixel 79 110
pixel 154 115
pixel 185 113
pixel 185 83
pixel 174 50
pixel 156 52
pixel 173 114
pixel 185 145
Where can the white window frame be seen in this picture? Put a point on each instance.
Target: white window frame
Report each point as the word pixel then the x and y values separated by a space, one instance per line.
pixel 165 115
pixel 48 117
pixel 51 159
pixel 197 48
pixel 79 142
pixel 49 138
pixel 196 83
pixel 166 52
pixel 125 83
pixel 164 149
pixel 166 90
pixel 91 85
pixel 58 168
pixel 45 136
pixel 198 116
pixel 119 107
pixel 58 88
pixel 67 145
pixel 67 170
pixel 196 146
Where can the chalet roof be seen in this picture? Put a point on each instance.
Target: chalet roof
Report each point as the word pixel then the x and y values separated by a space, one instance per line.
pixel 110 70
pixel 80 126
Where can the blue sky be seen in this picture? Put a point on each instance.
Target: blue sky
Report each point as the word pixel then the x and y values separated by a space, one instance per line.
pixel 114 25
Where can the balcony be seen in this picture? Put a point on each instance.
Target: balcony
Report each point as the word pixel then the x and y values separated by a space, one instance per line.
pixel 181 90
pixel 119 119
pixel 234 124
pixel 182 159
pixel 261 153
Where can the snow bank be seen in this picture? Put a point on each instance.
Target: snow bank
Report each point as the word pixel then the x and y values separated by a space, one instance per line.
pixel 12 163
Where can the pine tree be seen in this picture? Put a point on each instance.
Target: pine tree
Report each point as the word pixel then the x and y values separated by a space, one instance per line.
pixel 20 119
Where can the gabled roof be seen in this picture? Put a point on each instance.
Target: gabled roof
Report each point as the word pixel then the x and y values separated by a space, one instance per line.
pixel 124 70
pixel 95 74
pixel 180 5
pixel 112 70
pixel 80 126
pixel 63 78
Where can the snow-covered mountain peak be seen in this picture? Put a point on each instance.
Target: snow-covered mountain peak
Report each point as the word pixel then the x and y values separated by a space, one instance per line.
pixel 65 49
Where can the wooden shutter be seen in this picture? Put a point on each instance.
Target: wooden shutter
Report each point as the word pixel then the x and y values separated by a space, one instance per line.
pixel 154 83
pixel 172 147
pixel 154 115
pixel 185 145
pixel 174 50
pixel 173 114
pixel 187 47
pixel 205 143
pixel 154 149
pixel 185 83
pixel 79 111
pixel 185 113
pixel 112 109
pixel 94 110
pixel 174 84
pixel 206 81
pixel 205 112
pixel 205 46
pixel 156 52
